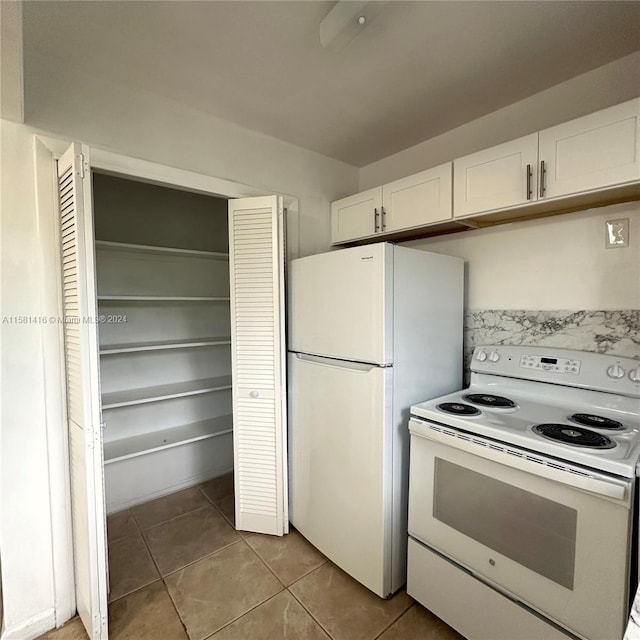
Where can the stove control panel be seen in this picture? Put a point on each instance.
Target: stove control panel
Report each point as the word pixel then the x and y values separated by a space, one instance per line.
pixel 546 363
pixel 595 371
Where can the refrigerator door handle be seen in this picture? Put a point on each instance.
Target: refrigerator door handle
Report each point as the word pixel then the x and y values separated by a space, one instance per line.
pixel 363 367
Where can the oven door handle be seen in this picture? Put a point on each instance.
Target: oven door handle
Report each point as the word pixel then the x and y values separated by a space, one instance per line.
pixel 607 488
pixel 594 483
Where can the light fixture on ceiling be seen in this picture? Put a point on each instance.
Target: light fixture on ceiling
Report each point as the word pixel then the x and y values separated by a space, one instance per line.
pixel 345 21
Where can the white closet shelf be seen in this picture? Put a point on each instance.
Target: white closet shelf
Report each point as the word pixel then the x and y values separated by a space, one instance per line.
pixel 134 446
pixel 173 251
pixel 164 392
pixel 164 298
pixel 111 349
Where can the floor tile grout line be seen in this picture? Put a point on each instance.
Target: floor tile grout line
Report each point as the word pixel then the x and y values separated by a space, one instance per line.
pixel 161 577
pixel 217 507
pixel 155 563
pixel 412 603
pixel 304 575
pixel 208 555
pixel 175 608
pixel 135 524
pixel 215 504
pixel 139 526
pixel 210 499
pixel 309 612
pixel 238 617
pixel 309 572
pixel 404 613
pixel 130 593
pixel 246 613
pixel 182 515
pixel 276 575
pixel 132 508
pixel 189 563
pixel 153 560
pixel 284 586
pixel 157 524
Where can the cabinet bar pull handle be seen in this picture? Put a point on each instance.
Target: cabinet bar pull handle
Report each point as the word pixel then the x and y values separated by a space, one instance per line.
pixel 529 193
pixel 543 172
pixel 376 215
pixel 384 218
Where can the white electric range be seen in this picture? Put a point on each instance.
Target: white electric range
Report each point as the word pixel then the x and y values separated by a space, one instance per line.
pixel 523 496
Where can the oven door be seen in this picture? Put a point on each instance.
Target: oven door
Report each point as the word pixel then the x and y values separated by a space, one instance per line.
pixel 548 534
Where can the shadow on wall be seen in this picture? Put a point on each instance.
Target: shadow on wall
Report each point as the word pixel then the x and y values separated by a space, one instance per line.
pixel 614 332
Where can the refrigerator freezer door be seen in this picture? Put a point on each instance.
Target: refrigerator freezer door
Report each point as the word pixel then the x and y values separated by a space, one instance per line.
pixel 340 304
pixel 340 464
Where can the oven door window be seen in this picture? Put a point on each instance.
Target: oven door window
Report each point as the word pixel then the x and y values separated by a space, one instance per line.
pixel 532 530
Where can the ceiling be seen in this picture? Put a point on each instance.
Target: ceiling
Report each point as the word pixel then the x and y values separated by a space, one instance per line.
pixel 416 70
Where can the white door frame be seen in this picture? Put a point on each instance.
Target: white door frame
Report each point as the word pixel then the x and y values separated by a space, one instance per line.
pixel 47 150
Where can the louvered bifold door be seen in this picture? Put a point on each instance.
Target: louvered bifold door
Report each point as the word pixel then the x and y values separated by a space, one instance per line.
pixel 256 260
pixel 83 389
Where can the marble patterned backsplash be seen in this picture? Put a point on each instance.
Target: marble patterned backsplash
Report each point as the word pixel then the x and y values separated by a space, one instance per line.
pixel 614 332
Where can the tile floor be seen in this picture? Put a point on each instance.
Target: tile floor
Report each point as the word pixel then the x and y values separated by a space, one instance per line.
pixel 180 571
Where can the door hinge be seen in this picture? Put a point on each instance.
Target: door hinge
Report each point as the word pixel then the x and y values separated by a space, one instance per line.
pixel 95 437
pixel 80 162
pixel 99 624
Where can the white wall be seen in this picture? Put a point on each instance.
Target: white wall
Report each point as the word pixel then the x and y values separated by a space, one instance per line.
pixel 11 98
pixel 552 263
pixel 141 126
pixel 25 514
pixel 549 263
pixel 603 87
pixel 117 118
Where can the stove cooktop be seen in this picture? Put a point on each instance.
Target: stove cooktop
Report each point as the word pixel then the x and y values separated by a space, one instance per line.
pixel 618 453
pixel 587 426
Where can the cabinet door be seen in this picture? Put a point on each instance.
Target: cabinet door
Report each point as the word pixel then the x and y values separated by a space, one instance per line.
pixel 417 200
pixel 357 216
pixel 84 411
pixel 496 178
pixel 598 150
pixel 256 271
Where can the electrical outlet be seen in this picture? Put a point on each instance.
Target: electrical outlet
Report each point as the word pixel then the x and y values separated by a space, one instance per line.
pixel 617 233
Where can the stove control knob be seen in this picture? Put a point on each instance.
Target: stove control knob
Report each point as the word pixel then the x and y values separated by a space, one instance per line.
pixel 494 356
pixel 481 355
pixel 634 375
pixel 616 371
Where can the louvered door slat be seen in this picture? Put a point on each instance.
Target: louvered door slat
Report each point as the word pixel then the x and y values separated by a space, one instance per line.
pixel 83 390
pixel 256 256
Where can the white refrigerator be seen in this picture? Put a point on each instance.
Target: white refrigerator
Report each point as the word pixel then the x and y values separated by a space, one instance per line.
pixel 372 330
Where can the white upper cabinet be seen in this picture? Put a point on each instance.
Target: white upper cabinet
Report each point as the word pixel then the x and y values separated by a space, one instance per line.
pixel 592 152
pixel 584 162
pixel 356 216
pixel 495 178
pixel 420 199
pixel 586 154
pixel 415 201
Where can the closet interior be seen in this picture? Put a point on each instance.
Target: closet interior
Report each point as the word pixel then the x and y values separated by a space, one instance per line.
pixel 162 270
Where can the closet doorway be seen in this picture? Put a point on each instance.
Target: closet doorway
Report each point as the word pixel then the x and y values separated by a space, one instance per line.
pixel 160 321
